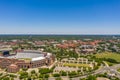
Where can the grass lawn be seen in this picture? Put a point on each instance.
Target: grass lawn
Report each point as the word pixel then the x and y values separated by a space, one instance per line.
pixel 76 65
pixel 111 55
pixel 109 63
pixel 25 58
pixel 118 70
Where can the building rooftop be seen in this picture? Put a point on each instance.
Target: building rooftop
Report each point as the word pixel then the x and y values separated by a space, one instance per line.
pixel 25 55
pixel 38 58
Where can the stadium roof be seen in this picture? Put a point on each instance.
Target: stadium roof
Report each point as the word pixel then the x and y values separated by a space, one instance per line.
pixel 38 58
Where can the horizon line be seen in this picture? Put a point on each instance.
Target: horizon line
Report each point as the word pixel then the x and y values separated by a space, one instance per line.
pixel 58 34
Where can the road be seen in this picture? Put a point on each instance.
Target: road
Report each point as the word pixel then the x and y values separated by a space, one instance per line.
pixel 103 69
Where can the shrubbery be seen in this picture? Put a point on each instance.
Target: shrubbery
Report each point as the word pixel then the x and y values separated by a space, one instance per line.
pixel 45 70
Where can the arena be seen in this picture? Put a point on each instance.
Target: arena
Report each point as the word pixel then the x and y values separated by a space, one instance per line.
pixel 25 59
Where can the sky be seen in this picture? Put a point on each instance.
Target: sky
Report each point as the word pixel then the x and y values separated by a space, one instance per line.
pixel 59 16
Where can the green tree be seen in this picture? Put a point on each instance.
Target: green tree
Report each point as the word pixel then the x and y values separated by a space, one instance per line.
pixel 56 75
pixel 58 78
pixel 46 75
pixel 33 72
pixel 91 77
pixel 63 73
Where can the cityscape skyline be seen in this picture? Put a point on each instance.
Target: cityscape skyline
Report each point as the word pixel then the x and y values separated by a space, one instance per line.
pixel 59 17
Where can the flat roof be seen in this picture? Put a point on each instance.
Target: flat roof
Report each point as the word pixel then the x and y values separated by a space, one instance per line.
pixel 38 58
pixel 22 55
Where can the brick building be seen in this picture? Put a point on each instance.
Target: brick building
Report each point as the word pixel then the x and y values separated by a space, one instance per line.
pixel 14 64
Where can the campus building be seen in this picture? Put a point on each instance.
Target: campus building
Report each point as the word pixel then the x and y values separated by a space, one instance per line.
pixel 25 59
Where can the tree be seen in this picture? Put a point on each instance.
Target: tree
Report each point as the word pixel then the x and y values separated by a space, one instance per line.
pixel 73 73
pixel 46 75
pixel 25 69
pixel 59 78
pixel 63 73
pixel 41 76
pixel 29 78
pixel 91 77
pixel 23 75
pixel 33 72
pixel 6 78
pixel 56 75
pixel 45 70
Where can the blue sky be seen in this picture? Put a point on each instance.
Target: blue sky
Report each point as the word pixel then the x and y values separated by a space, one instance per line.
pixel 59 16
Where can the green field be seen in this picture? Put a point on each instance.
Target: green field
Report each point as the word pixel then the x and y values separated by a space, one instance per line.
pixel 118 70
pixel 76 65
pixel 111 55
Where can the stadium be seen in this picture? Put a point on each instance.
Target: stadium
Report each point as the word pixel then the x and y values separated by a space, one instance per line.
pixel 24 59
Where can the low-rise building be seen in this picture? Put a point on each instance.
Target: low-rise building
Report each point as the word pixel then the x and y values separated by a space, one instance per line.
pixel 27 59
